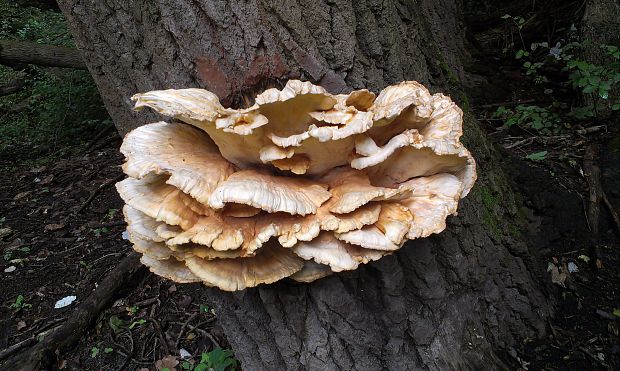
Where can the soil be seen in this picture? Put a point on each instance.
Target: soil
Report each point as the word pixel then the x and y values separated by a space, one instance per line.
pixel 57 252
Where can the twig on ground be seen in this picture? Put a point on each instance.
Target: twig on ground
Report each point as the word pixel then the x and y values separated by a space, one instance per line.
pixel 592 174
pixel 160 333
pixel 100 135
pixel 612 211
pixel 104 256
pixel 17 347
pixel 146 303
pixel 98 190
pixel 512 103
pixel 592 129
pixel 191 318
pixel 129 356
pixel 525 141
pixel 107 224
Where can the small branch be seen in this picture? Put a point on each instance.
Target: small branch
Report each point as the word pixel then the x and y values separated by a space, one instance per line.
pixel 591 129
pixel 612 211
pixel 101 134
pixel 11 87
pixel 19 52
pixel 98 191
pixel 512 103
pixel 176 343
pixel 17 347
pixel 592 174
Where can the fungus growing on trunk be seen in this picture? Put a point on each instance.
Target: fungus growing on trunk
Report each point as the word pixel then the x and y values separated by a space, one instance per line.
pixel 302 184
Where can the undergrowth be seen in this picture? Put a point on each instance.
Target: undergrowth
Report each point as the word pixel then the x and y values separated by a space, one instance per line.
pixel 579 91
pixel 59 108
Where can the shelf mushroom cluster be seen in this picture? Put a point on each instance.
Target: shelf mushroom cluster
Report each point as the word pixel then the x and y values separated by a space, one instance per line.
pixel 302 184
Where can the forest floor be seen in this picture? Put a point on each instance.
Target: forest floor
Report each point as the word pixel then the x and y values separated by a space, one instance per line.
pixel 61 228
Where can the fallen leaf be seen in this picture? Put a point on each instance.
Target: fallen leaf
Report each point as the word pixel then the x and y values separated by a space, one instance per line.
pixel 40 169
pixel 47 180
pixel 538 156
pixel 6 231
pixel 54 226
pixel 168 362
pixel 10 269
pixel 21 195
pixel 21 325
pixel 67 300
pixel 556 277
pixel 572 267
pixel 585 258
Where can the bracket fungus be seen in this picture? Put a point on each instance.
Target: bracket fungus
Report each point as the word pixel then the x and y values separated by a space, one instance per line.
pixel 302 184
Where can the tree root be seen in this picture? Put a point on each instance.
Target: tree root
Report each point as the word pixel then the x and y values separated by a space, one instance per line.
pixel 44 354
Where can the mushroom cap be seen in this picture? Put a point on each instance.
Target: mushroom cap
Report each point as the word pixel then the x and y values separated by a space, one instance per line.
pixel 185 153
pixel 311 271
pixel 271 264
pixel 171 269
pixel 301 184
pixel 270 193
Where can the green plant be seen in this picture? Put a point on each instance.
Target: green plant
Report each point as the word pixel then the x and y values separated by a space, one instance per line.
pixel 57 109
pixel 116 324
pixel 111 213
pixel 217 360
pixel 94 352
pixel 593 79
pixel 20 304
pixel 538 156
pixel 137 323
pixel 99 231
pixel 538 118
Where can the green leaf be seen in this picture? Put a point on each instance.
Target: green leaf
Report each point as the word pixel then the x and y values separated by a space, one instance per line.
pixel 616 312
pixel 201 367
pixel 108 350
pixel 538 156
pixel 186 365
pixel 519 54
pixel 116 324
pixel 589 89
pixel 506 16
pixel 585 258
pixel 615 107
pixel 94 352
pixel 136 323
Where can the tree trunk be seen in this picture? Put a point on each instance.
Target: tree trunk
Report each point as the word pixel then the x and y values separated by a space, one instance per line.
pixel 447 302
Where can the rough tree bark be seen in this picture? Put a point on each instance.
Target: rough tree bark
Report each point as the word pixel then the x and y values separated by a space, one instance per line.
pixel 447 302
